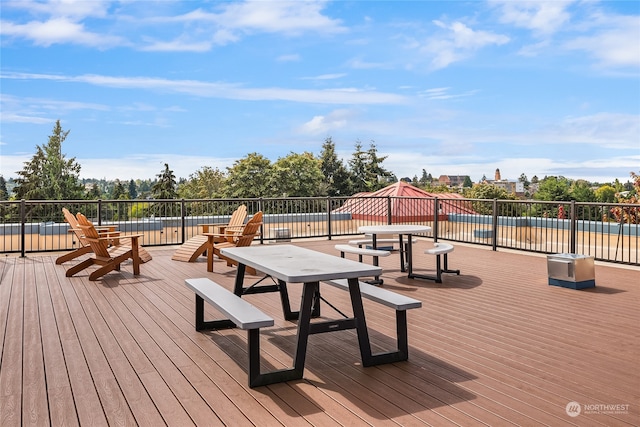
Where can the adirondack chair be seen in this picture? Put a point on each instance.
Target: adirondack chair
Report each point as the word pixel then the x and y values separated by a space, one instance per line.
pixel 108 260
pixel 190 250
pixel 85 247
pixel 250 230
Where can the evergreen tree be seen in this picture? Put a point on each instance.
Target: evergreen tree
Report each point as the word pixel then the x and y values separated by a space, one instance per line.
pixel 94 193
pixel 165 187
pixel 424 179
pixel 133 190
pixel 4 194
pixel 118 192
pixel 49 175
pixel 336 176
pixel 377 176
pixel 367 171
pixel 358 167
pixel 523 179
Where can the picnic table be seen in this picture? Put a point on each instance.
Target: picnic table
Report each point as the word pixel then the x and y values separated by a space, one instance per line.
pixel 288 264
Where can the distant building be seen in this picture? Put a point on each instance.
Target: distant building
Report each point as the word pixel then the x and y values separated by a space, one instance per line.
pixel 452 180
pixel 510 186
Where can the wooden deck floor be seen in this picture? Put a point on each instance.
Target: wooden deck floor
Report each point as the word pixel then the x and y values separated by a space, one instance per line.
pixel 494 346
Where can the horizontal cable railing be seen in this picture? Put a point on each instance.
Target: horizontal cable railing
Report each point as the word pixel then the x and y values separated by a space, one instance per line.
pixel 607 231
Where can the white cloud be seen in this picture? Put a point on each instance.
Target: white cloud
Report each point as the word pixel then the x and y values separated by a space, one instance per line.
pixel 336 119
pixel 134 166
pixel 76 9
pixel 56 31
pixel 36 110
pixel 441 93
pixel 282 16
pixel 616 44
pixel 325 76
pixel 63 21
pixel 225 90
pixel 458 42
pixel 289 58
pixel 543 17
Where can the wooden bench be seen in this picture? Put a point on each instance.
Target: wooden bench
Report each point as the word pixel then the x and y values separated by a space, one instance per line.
pixel 400 303
pixel 440 249
pixel 239 313
pixel 375 253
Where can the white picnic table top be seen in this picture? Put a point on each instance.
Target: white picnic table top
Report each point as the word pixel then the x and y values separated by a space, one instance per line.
pixel 294 264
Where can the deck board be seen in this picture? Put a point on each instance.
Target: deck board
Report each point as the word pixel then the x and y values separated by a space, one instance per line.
pixel 494 346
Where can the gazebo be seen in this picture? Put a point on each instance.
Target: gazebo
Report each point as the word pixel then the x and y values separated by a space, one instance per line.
pixel 405 202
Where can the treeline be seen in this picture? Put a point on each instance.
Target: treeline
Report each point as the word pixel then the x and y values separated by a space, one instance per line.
pixel 49 175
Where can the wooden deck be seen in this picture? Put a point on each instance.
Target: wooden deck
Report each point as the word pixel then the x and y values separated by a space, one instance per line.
pixel 494 346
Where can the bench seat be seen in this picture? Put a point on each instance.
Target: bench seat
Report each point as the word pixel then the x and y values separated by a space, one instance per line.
pixel 380 295
pixel 239 313
pixel 375 253
pixel 400 303
pixel 361 251
pixel 369 241
pixel 439 249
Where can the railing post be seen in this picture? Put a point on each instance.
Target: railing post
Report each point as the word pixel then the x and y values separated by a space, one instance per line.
pixel 494 220
pixel 329 217
pixel 574 229
pixel 183 226
pixel 23 237
pixel 436 214
pixel 261 208
pixel 389 219
pixel 99 211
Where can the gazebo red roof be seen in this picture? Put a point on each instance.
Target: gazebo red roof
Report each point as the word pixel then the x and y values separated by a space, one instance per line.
pixel 405 206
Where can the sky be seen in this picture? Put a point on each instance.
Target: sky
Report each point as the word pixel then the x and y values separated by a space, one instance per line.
pixel 541 88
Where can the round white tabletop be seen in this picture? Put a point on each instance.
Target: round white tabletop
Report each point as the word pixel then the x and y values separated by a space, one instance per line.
pixel 394 229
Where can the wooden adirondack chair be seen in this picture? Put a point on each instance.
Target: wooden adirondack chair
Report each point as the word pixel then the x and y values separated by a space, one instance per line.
pixel 250 230
pixel 108 259
pixel 190 250
pixel 85 247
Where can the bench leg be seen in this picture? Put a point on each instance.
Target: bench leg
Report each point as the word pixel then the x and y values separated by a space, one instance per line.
pixel 439 270
pixel 202 325
pixel 369 359
pixel 377 281
pixel 446 267
pixel 257 379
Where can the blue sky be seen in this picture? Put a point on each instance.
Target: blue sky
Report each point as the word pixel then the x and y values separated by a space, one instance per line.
pixel 451 87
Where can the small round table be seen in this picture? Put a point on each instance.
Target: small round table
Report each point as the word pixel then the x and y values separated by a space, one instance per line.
pixel 400 230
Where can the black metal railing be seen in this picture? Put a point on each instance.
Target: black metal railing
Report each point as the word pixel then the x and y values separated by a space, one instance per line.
pixel 608 231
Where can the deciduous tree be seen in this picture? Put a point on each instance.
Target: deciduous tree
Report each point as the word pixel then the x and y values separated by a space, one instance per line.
pixel 250 177
pixel 205 183
pixel 298 175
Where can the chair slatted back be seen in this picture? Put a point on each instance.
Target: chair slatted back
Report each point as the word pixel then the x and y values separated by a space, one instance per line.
pixel 99 247
pixel 233 229
pixel 238 216
pixel 251 230
pixel 73 223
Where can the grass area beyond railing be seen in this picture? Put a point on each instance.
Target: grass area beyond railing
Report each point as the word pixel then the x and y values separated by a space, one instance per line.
pixel 28 226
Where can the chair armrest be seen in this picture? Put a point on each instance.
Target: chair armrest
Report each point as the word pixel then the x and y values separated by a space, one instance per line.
pixel 122 236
